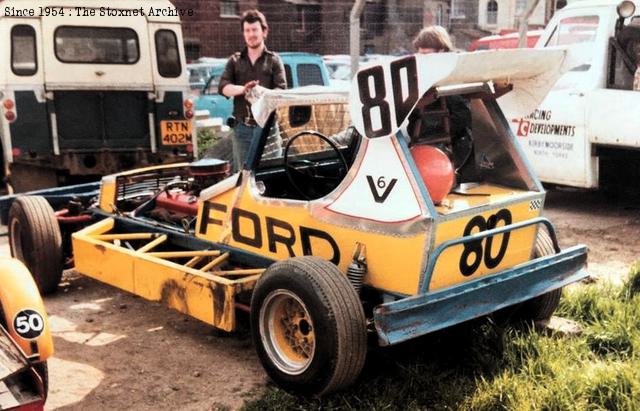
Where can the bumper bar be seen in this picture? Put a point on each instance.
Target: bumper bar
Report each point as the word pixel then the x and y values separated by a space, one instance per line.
pixel 424 313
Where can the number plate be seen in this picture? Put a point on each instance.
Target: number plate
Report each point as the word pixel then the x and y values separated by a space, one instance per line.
pixel 176 132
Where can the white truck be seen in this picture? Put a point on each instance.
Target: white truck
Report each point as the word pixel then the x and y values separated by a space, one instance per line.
pixel 89 88
pixel 586 133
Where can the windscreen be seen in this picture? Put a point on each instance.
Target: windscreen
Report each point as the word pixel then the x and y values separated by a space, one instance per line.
pixel 101 45
pixel 574 30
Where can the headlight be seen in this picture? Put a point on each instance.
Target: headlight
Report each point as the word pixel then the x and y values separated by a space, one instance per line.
pixel 626 9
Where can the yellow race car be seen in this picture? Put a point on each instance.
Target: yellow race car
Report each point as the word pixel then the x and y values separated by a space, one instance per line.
pixel 400 208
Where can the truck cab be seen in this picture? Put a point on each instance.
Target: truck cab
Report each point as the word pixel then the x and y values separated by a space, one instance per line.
pixel 88 90
pixel 587 125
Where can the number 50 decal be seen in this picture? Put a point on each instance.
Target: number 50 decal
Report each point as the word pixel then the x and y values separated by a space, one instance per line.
pixel 473 253
pixel 28 324
pixel 375 103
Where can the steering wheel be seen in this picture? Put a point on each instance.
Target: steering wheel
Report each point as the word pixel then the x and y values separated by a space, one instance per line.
pixel 307 169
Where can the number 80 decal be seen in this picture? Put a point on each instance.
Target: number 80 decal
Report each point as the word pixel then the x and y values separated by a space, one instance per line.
pixel 375 103
pixel 474 254
pixel 29 324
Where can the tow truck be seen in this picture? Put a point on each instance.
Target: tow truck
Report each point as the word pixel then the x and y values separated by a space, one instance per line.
pixel 343 222
pixel 584 133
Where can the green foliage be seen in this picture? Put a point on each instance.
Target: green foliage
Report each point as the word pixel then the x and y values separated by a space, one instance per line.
pixel 632 286
pixel 480 366
pixel 206 138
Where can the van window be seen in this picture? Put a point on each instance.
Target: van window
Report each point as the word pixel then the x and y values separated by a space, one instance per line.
pixel 167 54
pixel 309 74
pixel 101 45
pixel 23 50
pixel 574 30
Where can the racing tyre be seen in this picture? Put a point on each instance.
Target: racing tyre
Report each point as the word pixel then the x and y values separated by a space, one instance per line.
pixel 308 326
pixel 542 307
pixel 34 238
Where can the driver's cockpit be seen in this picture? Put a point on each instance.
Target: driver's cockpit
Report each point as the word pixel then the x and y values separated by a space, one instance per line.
pixel 308 151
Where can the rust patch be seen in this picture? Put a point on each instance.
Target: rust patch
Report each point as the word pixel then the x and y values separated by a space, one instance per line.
pixel 219 303
pixel 174 296
pixel 100 248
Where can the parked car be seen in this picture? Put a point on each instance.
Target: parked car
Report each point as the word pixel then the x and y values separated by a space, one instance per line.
pixel 301 69
pixel 200 72
pixel 339 67
pixel 504 41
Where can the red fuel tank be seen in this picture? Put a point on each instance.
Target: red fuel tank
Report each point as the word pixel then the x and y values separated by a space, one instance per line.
pixel 436 171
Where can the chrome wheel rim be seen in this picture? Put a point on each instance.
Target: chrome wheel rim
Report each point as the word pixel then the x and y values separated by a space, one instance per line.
pixel 287 332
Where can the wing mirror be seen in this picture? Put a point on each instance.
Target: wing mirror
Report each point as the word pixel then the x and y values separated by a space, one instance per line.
pixel 625 9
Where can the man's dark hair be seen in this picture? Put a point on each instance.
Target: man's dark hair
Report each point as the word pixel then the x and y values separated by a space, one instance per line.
pixel 253 15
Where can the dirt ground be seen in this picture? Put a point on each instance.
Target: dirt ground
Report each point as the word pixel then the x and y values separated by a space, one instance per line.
pixel 115 351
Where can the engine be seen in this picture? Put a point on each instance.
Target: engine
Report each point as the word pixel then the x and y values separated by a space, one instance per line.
pixel 177 202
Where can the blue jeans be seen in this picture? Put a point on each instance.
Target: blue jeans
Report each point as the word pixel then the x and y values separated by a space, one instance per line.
pixel 242 140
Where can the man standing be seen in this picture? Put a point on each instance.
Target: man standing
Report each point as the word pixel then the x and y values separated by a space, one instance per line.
pixel 254 65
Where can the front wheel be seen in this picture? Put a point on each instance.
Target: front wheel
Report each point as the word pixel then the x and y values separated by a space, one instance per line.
pixel 308 326
pixel 35 239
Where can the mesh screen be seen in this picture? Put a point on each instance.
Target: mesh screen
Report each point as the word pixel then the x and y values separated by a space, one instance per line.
pixel 331 120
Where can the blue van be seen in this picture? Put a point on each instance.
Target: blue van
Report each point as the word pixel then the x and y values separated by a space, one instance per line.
pixel 301 69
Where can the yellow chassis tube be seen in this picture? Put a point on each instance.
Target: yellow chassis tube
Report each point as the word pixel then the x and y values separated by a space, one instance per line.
pixel 203 293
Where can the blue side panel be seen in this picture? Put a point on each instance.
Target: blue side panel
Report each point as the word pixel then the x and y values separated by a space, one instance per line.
pixel 419 315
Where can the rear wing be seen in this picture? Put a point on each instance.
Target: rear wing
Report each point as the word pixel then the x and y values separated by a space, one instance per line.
pixel 383 96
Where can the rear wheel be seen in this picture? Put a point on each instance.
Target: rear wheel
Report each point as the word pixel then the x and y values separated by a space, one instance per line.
pixel 541 307
pixel 34 238
pixel 308 326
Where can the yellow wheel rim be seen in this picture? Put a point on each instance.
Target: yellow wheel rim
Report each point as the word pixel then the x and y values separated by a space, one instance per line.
pixel 287 331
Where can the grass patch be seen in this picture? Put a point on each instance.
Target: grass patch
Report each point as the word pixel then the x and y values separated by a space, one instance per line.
pixel 479 366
